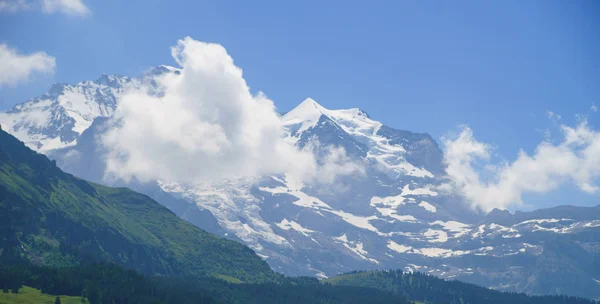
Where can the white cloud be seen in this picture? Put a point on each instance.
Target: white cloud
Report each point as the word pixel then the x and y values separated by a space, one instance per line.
pixel 14 5
pixel 594 108
pixel 206 127
pixel 69 7
pixel 335 163
pixel 575 159
pixel 16 67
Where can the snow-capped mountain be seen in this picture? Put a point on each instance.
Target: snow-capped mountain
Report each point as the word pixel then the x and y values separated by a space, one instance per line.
pixel 392 216
pixel 56 119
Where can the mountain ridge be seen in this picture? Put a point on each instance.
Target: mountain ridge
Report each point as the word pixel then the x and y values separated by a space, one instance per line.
pixel 394 216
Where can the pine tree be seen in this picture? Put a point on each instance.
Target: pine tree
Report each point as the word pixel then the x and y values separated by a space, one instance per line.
pixel 57 301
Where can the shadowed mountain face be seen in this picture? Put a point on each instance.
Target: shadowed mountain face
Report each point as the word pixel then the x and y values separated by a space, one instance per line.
pixel 392 216
pixel 52 218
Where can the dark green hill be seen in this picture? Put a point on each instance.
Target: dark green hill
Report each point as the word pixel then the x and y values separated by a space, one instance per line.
pixel 110 284
pixel 52 218
pixel 429 289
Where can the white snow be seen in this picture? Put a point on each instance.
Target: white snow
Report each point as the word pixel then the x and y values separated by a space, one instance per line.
pixel 306 114
pixel 436 236
pixel 506 232
pixel 453 226
pixel 355 220
pixel 342 238
pixel 563 230
pixel 356 247
pixel 307 201
pixel 418 191
pixel 484 250
pixel 287 225
pixel 388 212
pixel 303 199
pixel 397 247
pixel 427 206
pixel 541 221
pixel 433 252
pixel 391 201
pixel 457 228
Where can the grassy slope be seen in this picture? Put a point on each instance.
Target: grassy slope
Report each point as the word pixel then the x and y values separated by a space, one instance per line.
pixel 52 218
pixel 28 295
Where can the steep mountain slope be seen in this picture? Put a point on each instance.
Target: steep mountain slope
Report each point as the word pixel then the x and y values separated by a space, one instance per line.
pixel 52 218
pixel 391 217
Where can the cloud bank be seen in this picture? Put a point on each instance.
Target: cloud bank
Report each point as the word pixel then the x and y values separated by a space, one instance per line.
pixel 205 126
pixel 16 67
pixel 575 159
pixel 69 7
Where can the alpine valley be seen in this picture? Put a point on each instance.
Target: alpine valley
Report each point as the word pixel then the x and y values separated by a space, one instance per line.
pixel 391 215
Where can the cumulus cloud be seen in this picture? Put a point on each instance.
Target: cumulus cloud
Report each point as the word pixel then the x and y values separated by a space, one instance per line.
pixel 14 5
pixel 594 108
pixel 205 126
pixel 576 159
pixel 69 7
pixel 16 67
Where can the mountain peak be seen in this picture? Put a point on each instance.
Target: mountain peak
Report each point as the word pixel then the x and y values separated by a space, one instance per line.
pixel 307 113
pixel 500 216
pixel 162 69
pixel 108 79
pixel 310 101
pixel 309 105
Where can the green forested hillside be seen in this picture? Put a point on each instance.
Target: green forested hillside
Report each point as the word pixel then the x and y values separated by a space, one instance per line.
pixel 108 283
pixel 429 289
pixel 111 284
pixel 51 218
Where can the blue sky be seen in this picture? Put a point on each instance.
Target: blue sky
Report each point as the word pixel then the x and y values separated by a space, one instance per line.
pixel 424 66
